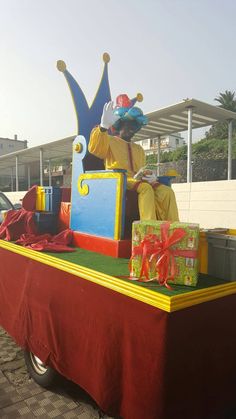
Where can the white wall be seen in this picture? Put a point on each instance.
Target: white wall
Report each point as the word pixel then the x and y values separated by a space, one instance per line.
pixel 211 204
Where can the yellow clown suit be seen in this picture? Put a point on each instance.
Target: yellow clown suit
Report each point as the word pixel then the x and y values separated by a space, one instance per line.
pixel 157 201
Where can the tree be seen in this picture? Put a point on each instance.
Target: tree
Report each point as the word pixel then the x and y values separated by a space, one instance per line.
pixel 227 101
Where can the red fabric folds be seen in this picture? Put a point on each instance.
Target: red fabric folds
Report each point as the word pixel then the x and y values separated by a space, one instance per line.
pixel 47 242
pixel 29 200
pixel 64 216
pixel 16 223
pixel 19 226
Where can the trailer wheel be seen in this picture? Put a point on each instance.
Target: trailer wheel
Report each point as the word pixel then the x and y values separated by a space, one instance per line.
pixel 43 375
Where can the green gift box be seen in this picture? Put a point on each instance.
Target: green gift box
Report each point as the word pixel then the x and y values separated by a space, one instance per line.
pixel 183 252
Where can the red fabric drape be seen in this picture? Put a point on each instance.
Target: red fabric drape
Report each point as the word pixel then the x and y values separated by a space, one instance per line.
pixel 47 242
pixel 135 360
pixel 20 226
pixel 64 216
pixel 17 222
pixel 29 199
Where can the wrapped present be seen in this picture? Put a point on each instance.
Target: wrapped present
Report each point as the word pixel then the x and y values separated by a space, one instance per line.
pixel 165 251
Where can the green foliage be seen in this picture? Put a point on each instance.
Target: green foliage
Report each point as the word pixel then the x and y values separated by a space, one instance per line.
pixel 201 147
pixel 220 130
pixel 151 159
pixel 215 149
pixel 227 101
pixel 179 154
pixel 176 155
pixel 215 145
pixel 211 149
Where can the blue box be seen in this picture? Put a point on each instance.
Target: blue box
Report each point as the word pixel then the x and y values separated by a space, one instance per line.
pixel 52 198
pixel 165 180
pixel 46 222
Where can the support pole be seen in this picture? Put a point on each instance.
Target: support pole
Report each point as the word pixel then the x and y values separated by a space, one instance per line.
pixel 158 154
pixel 28 175
pixel 189 156
pixel 12 181
pixel 230 135
pixel 41 166
pixel 17 175
pixel 49 173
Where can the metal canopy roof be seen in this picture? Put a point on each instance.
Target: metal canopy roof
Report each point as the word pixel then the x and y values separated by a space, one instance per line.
pixel 174 118
pixel 162 122
pixel 53 150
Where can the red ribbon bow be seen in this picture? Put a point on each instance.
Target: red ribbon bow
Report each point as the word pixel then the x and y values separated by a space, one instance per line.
pixel 161 249
pixel 145 249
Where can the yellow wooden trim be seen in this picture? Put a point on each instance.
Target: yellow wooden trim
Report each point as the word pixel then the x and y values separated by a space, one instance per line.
pixel 100 175
pixel 155 299
pixel 118 215
pixel 178 302
pixel 203 253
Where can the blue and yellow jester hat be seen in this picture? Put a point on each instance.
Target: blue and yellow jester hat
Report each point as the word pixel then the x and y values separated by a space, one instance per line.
pixel 89 116
pixel 126 110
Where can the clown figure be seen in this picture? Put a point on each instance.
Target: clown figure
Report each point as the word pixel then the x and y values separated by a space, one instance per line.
pixel 156 201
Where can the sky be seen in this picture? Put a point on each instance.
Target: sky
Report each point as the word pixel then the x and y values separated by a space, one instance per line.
pixel 166 49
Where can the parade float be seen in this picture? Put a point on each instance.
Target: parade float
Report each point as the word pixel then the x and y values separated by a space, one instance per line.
pixel 135 319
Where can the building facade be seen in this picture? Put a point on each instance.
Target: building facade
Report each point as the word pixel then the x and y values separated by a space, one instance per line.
pixel 8 145
pixel 168 143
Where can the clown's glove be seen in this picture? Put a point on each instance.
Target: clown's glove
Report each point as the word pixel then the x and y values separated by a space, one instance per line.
pixel 108 117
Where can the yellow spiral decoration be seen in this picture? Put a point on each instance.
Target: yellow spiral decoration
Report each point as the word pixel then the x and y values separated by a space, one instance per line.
pixel 82 189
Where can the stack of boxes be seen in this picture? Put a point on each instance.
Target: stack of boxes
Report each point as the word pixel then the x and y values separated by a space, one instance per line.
pixel 48 202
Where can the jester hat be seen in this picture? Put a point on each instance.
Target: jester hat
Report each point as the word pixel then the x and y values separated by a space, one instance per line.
pixel 126 110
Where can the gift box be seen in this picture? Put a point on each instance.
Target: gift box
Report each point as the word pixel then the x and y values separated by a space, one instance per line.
pixel 165 251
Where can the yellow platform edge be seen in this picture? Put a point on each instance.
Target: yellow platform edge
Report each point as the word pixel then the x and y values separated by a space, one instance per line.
pixel 155 299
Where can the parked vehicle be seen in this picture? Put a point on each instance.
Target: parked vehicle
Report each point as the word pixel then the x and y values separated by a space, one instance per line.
pixel 6 205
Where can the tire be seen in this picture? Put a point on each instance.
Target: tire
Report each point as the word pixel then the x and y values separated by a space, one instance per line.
pixel 43 375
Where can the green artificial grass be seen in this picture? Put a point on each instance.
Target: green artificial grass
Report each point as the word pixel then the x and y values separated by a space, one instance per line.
pixel 118 267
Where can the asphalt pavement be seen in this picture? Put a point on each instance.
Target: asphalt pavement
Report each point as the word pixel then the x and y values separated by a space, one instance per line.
pixel 21 397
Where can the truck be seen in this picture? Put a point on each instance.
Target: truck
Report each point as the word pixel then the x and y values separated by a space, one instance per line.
pixel 141 350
